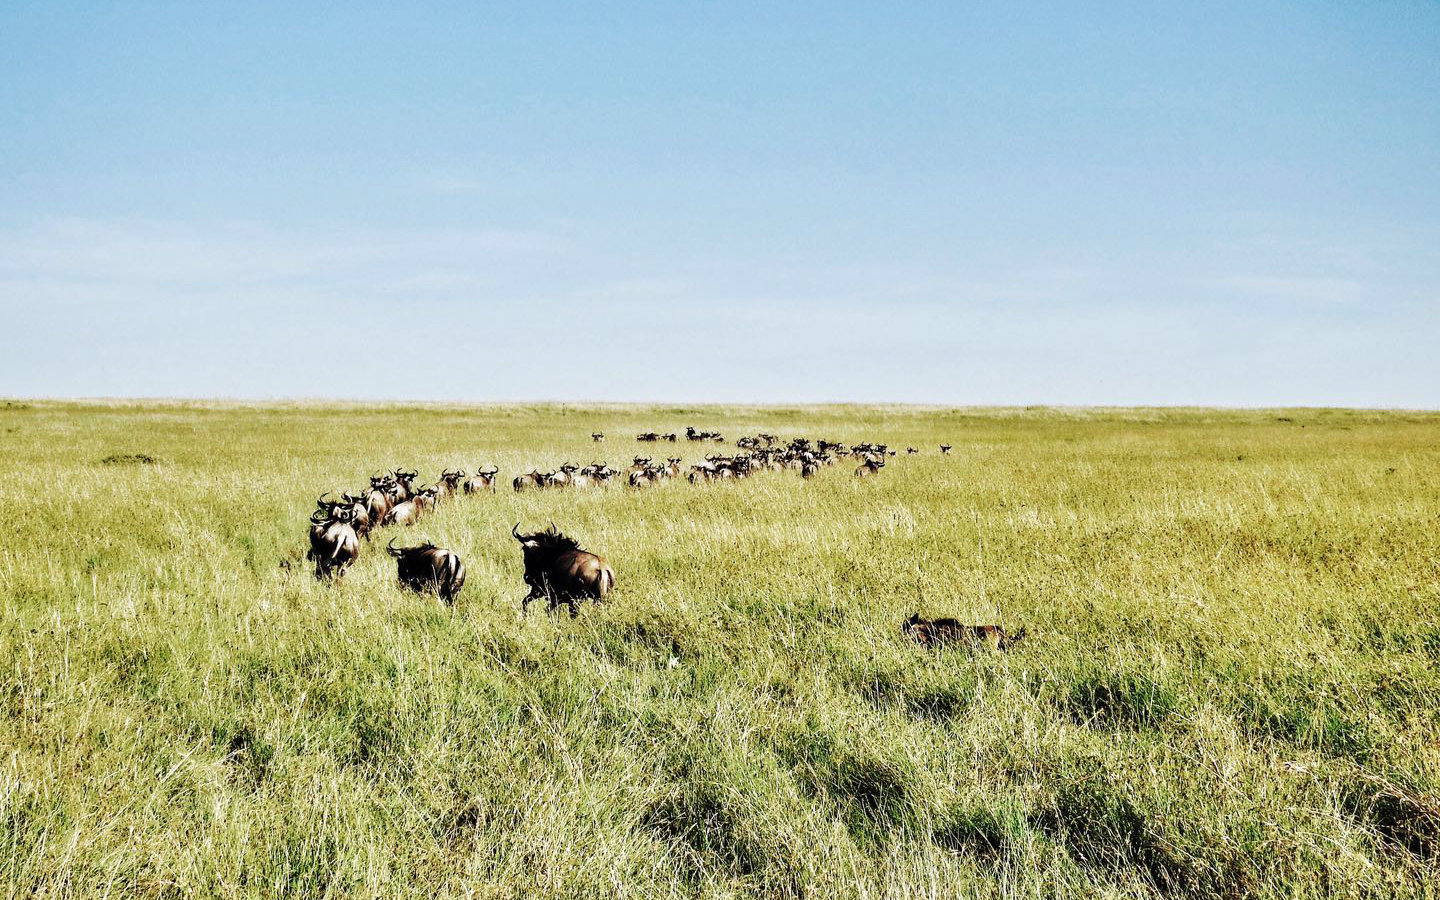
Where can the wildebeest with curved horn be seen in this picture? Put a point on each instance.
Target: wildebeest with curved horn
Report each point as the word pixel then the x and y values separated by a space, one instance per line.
pixel 360 518
pixel 449 484
pixel 558 569
pixel 333 544
pixel 428 568
pixel 484 480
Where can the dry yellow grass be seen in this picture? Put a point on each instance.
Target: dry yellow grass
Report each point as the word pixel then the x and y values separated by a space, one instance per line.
pixel 1230 686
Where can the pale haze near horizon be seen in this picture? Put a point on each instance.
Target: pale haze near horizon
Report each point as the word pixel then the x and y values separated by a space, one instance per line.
pixel 1233 204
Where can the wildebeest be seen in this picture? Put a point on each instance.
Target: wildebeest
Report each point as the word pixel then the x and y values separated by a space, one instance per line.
pixel 871 466
pixel 404 480
pixel 360 514
pixel 378 500
pixel 428 568
pixel 936 632
pixel 333 544
pixel 558 569
pixel 406 513
pixel 449 483
pixel 484 480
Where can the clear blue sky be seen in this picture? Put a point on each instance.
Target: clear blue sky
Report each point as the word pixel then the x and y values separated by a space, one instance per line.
pixel 947 203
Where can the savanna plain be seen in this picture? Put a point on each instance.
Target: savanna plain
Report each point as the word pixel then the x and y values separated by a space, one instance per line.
pixel 1228 687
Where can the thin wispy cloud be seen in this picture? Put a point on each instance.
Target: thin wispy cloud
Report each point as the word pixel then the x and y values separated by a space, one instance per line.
pixel 1229 207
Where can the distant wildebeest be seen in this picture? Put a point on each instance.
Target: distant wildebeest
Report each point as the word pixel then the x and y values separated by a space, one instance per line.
pixel 333 543
pixel 936 632
pixel 565 477
pixel 871 466
pixel 944 448
pixel 531 479
pixel 558 569
pixel 428 568
pixel 484 480
pixel 597 436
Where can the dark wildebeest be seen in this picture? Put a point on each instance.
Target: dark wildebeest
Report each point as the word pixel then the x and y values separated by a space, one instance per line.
pixel 484 480
pixel 428 568
pixel 871 466
pixel 333 544
pixel 936 632
pixel 557 569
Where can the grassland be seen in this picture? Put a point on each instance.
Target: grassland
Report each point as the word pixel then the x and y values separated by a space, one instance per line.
pixel 1230 687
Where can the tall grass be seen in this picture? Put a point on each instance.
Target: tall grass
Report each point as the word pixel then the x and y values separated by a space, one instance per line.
pixel 1230 686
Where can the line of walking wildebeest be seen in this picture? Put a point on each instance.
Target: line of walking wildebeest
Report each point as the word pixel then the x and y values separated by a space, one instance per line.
pixel 557 568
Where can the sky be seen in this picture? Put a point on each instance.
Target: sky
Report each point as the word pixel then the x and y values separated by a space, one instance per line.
pixel 947 203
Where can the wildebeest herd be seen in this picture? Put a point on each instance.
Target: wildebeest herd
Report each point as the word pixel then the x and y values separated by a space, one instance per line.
pixel 557 568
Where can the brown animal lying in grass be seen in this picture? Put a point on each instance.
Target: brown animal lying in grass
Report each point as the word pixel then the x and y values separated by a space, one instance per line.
pixel 938 632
